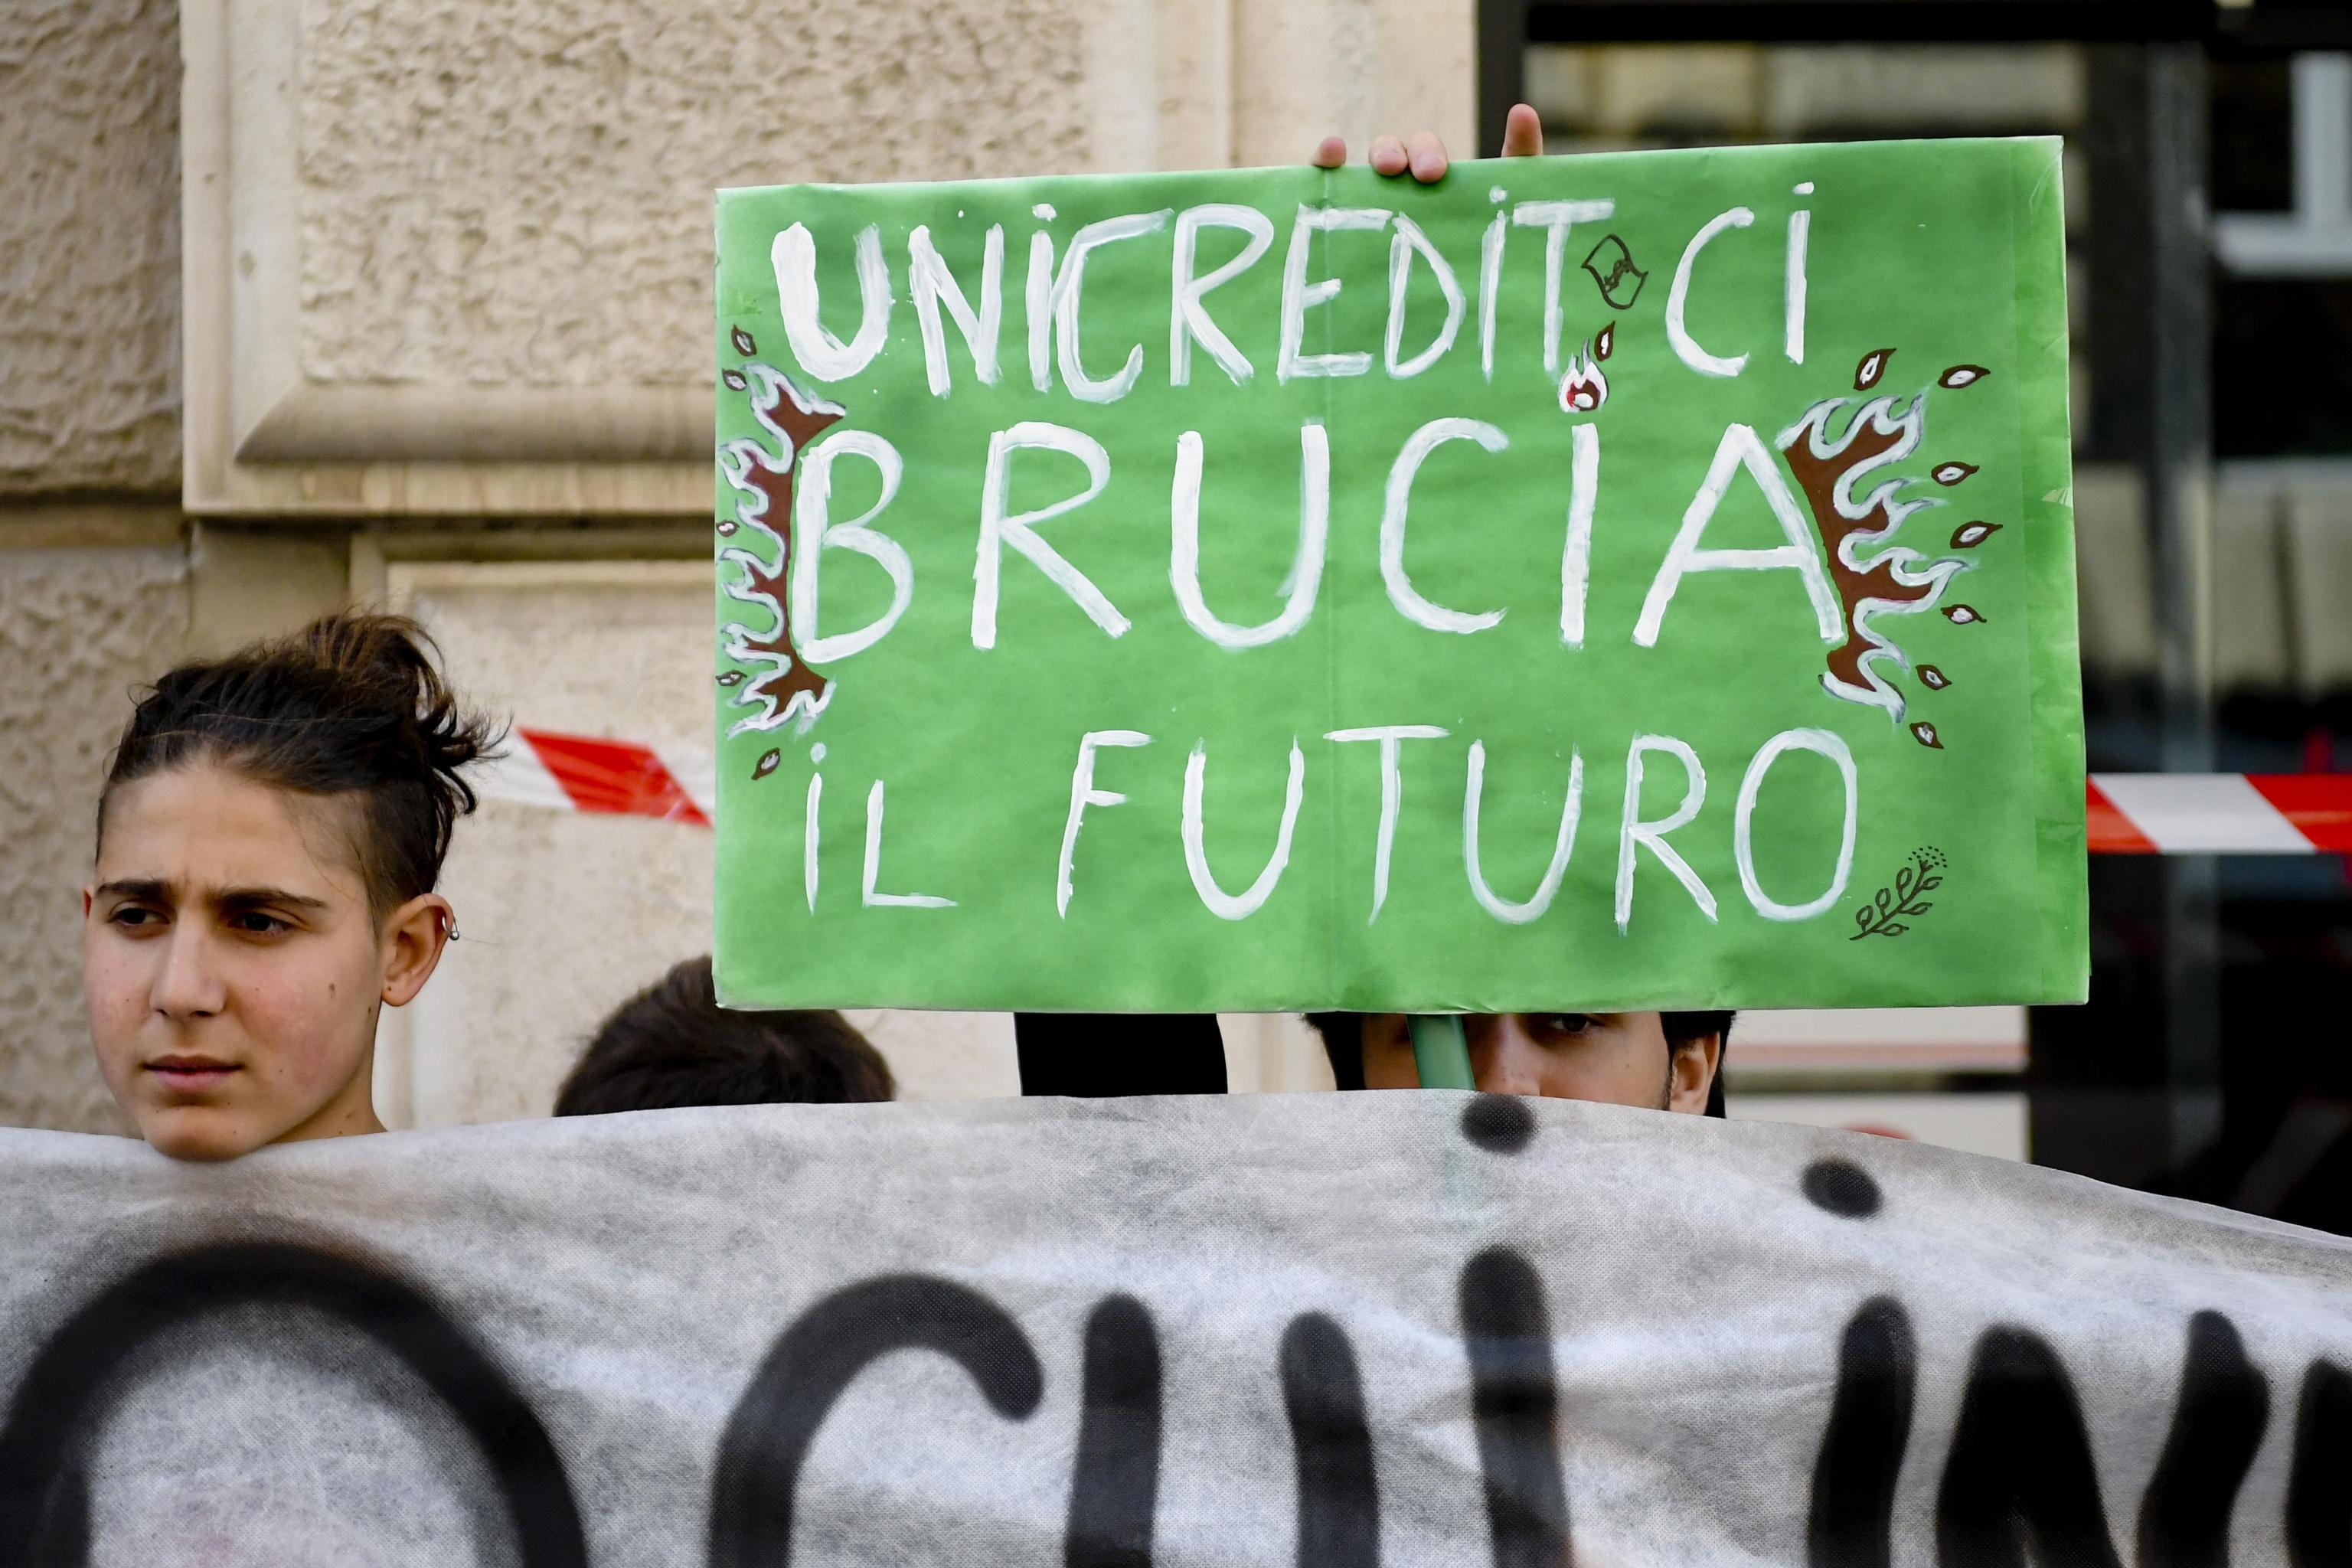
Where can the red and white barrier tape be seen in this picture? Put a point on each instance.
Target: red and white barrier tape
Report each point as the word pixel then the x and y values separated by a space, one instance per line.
pixel 2131 813
pixel 578 772
pixel 2220 813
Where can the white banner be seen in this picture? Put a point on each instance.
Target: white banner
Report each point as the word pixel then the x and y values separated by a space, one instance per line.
pixel 1330 1330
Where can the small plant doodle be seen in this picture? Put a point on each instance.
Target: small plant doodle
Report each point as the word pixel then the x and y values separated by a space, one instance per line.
pixel 1900 901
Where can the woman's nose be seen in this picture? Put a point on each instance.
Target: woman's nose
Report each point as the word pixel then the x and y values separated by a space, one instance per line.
pixel 188 984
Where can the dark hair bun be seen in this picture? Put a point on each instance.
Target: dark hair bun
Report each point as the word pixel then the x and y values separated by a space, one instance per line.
pixel 352 705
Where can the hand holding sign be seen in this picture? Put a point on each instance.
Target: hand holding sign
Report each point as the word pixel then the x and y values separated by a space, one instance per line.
pixel 1423 156
pixel 1286 588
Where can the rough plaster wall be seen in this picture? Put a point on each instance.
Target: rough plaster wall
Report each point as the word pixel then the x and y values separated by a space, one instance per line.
pixel 77 629
pixel 561 916
pixel 566 916
pixel 90 244
pixel 459 159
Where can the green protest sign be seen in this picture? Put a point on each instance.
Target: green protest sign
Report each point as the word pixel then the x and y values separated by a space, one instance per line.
pixel 1614 582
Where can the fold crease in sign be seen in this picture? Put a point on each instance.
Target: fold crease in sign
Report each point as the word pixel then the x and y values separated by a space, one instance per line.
pixel 1715 611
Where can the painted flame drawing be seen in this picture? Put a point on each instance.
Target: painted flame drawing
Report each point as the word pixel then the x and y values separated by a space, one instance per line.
pixel 1584 385
pixel 781 689
pixel 1842 452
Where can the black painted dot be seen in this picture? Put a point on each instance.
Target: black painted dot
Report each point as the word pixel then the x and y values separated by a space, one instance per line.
pixel 1498 1123
pixel 1842 1187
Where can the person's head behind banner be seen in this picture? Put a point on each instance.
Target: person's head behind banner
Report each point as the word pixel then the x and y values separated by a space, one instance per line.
pixel 1657 1061
pixel 672 1046
pixel 269 835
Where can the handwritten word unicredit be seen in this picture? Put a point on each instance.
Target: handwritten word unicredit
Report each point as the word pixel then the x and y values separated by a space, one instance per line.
pixel 1054 291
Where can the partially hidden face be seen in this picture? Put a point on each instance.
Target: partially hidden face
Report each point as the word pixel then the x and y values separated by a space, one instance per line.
pixel 1613 1058
pixel 230 967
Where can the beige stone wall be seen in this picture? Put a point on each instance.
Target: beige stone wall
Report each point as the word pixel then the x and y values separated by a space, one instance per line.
pixel 454 160
pixel 1303 69
pixel 93 572
pixel 457 159
pixel 562 916
pixel 449 260
pixel 89 251
pixel 80 625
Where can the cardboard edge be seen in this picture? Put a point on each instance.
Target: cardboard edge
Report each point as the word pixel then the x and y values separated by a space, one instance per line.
pixel 2063 904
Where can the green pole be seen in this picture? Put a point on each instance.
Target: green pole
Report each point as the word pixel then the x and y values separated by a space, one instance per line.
pixel 1440 1051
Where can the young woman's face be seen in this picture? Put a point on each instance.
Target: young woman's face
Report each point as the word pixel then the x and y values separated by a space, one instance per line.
pixel 1613 1058
pixel 230 968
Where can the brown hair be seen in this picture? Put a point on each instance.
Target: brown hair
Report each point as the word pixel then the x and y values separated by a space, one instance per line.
pixel 348 706
pixel 672 1044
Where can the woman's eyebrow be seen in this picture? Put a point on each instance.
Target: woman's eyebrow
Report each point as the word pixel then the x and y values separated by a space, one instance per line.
pixel 254 897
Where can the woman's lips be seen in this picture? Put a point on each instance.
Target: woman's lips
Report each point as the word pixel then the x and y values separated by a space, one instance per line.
pixel 191 1073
